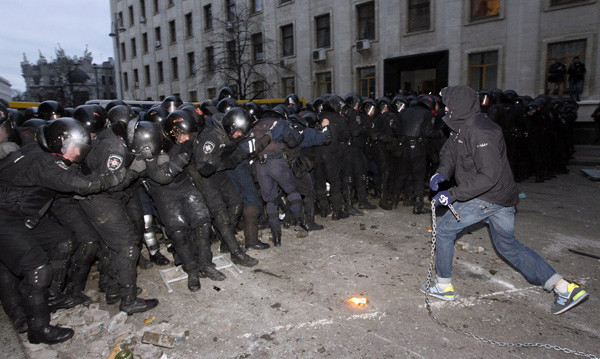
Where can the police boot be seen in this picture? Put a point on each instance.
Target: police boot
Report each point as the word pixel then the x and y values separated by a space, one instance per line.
pixel 309 216
pixel 300 228
pixel 211 273
pixel 409 200
pixel 34 292
pixel 251 229
pixel 152 242
pixel 79 269
pixel 144 263
pixel 131 304
pixel 419 209
pixel 58 300
pixel 323 204
pixel 11 299
pixel 361 192
pixel 385 203
pixel 193 282
pixel 202 243
pixel 339 214
pixel 221 221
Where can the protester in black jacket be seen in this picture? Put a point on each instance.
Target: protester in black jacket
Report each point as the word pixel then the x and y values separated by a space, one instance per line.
pixel 485 191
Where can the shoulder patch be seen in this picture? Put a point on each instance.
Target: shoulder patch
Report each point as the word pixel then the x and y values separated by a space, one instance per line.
pixel 62 165
pixel 114 162
pixel 208 147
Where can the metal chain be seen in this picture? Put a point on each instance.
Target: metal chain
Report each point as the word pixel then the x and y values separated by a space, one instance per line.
pixel 477 337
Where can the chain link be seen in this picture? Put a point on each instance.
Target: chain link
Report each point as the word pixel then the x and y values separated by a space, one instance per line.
pixel 468 334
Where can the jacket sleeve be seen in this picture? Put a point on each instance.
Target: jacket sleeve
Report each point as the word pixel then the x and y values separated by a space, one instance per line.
pixel 485 149
pixel 447 159
pixel 164 168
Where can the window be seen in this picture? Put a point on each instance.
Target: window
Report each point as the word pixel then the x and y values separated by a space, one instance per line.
pixel 157 36
pixel 287 40
pixel 110 80
pixel 483 70
pixel 565 52
pixel 208 17
pixel 145 42
pixel 159 72
pixel 211 92
pixel 481 9
pixel 136 78
pixel 289 86
pixel 172 31
pixel 133 48
pixel 193 97
pixel 366 81
pixel 161 97
pixel 104 80
pixel 284 1
pixel 123 52
pixel 256 6
pixel 323 83
pixel 191 62
pixel 189 25
pixel 210 58
pixel 418 15
pixel 323 30
pixel 170 3
pixel 230 10
pixel 120 18
pixel 125 81
pixel 156 7
pixel 564 2
pixel 231 54
pixel 147 75
pixel 143 8
pixel 257 47
pixel 365 14
pixel 174 69
pixel 131 18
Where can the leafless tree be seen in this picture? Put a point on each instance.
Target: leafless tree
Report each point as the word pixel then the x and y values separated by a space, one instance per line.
pixel 239 46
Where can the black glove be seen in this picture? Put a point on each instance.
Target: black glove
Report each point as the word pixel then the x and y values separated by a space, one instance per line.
pixel 187 146
pixel 111 179
pixel 146 154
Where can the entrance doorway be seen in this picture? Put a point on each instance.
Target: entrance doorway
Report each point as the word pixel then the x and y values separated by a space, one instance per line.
pixel 422 73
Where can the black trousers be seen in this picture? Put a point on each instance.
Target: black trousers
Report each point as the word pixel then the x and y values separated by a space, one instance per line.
pixel 413 165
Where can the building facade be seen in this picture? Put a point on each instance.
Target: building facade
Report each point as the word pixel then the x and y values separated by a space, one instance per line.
pixel 5 89
pixel 70 81
pixel 312 47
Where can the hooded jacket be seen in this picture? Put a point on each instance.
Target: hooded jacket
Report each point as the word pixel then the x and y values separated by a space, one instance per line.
pixel 475 153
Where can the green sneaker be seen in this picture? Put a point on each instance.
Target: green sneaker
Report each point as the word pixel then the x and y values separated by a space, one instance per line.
pixel 565 301
pixel 435 290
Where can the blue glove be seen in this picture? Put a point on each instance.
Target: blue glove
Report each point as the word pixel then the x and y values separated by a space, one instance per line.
pixel 442 198
pixel 435 180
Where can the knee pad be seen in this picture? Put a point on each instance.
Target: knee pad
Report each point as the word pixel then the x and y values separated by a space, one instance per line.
pixel 41 277
pixel 131 252
pixel 88 249
pixel 66 248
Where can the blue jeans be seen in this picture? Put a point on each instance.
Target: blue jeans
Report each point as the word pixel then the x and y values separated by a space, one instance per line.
pixel 575 89
pixel 501 222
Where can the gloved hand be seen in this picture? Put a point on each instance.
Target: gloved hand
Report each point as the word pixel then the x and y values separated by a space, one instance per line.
pixel 146 154
pixel 112 179
pixel 442 198
pixel 435 180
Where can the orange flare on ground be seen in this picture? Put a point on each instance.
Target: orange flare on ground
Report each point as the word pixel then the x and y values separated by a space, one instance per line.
pixel 358 301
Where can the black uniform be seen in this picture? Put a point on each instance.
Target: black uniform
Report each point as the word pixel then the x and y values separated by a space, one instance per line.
pixel 359 125
pixel 381 136
pixel 31 243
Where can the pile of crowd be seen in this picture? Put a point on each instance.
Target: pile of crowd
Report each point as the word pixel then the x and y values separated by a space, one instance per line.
pixel 93 184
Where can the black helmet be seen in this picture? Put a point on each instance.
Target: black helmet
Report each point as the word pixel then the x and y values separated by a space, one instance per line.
pixel 30 112
pixel 369 107
pixel 178 122
pixel 333 103
pixel 399 103
pixel 156 114
pixel 171 103
pixel 93 117
pixel 292 99
pixel 532 108
pixel 16 117
pixel 68 112
pixel 353 99
pixel 318 104
pixel 196 113
pixel 226 104
pixel 311 119
pixel 510 96
pixel 485 98
pixel 208 108
pixel 114 103
pixel 496 95
pixel 297 122
pixel 144 135
pixel 119 116
pixel 236 119
pixel 60 135
pixel 3 112
pixel 50 110
pixel 382 104
pixel 427 101
pixel 254 110
pixel 226 92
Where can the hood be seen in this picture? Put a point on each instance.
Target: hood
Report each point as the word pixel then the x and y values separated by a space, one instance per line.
pixel 462 103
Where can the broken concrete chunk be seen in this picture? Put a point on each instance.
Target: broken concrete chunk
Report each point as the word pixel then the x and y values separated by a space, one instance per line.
pixel 116 321
pixel 95 315
pixel 161 340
